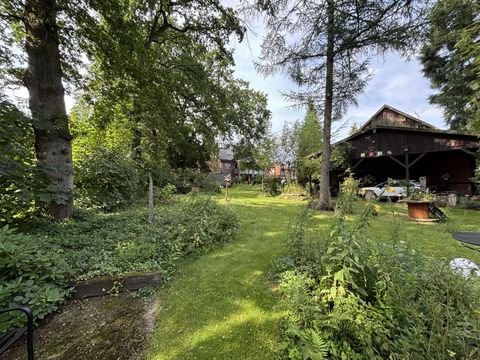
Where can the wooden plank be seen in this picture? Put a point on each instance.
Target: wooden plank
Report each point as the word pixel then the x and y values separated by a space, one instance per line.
pixel 357 163
pixel 469 152
pixel 103 285
pixel 417 159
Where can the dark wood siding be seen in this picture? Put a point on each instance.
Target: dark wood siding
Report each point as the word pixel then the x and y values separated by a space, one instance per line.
pixel 397 141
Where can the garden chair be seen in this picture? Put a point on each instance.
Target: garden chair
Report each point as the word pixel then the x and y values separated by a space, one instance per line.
pixel 9 338
pixel 472 238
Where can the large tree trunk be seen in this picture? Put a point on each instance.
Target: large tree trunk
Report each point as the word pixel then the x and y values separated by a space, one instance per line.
pixel 43 79
pixel 327 116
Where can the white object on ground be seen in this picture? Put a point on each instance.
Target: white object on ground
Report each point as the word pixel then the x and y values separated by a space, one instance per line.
pixel 465 267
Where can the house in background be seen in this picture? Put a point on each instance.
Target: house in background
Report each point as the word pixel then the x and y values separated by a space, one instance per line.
pixel 224 165
pixel 281 170
pixel 393 144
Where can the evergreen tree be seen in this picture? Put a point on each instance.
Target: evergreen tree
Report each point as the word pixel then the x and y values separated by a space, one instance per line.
pixel 451 60
pixel 309 142
pixel 325 47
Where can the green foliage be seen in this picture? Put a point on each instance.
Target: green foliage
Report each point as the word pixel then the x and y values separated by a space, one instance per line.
pixel 422 195
pixel 309 142
pixel 30 275
pixel 165 195
pixel 341 156
pixel 292 187
pixel 273 186
pixel 348 195
pixel 106 179
pixel 451 61
pixel 472 205
pixel 185 179
pixel 109 244
pixel 35 268
pixel 198 223
pixel 365 299
pixel 17 165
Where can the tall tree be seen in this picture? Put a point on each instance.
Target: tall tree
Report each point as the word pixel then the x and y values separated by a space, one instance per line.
pixel 326 46
pixel 55 35
pixel 309 142
pixel 177 88
pixel 451 60
pixel 43 79
pixel 264 155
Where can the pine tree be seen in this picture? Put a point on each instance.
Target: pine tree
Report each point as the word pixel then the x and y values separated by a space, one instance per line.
pixel 309 142
pixel 451 60
pixel 325 47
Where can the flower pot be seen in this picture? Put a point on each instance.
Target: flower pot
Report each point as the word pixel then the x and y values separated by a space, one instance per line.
pixel 417 209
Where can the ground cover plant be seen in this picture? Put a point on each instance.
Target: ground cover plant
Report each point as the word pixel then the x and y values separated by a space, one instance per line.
pixel 35 268
pixel 353 294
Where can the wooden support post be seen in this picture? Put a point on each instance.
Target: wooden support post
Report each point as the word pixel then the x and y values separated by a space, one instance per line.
pixel 469 152
pixel 357 163
pixel 407 167
pixel 397 161
pixel 417 159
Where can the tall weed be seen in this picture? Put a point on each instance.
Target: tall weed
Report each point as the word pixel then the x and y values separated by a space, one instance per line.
pixel 365 299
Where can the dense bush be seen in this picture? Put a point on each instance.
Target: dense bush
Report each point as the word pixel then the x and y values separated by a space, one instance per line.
pixel 351 297
pixel 165 195
pixel 30 276
pixel 17 165
pixel 34 269
pixel 472 205
pixel 185 179
pixel 106 179
pixel 273 186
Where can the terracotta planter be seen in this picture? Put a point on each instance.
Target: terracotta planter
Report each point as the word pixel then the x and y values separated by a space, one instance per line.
pixel 417 210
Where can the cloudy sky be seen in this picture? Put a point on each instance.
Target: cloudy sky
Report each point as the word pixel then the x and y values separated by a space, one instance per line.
pixel 395 81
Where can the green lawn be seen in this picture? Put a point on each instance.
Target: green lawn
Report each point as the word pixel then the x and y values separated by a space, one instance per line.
pixel 221 305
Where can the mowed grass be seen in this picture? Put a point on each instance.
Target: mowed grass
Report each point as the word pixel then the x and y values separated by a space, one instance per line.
pixel 433 239
pixel 221 305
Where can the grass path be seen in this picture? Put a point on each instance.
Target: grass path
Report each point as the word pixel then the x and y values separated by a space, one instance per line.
pixel 220 305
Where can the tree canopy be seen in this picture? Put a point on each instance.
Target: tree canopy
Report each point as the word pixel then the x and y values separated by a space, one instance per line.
pixel 451 60
pixel 154 75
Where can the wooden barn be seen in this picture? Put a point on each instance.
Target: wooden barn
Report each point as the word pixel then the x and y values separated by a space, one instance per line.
pixel 392 144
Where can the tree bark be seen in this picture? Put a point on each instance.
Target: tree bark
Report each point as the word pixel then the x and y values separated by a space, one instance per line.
pixel 327 116
pixel 43 79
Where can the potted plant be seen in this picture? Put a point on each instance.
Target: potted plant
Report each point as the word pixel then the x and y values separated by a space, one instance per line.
pixel 418 203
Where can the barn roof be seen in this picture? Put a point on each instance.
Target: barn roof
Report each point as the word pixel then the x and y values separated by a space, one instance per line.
pixel 406 120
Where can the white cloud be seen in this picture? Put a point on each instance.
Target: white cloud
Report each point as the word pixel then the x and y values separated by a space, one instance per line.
pixel 395 81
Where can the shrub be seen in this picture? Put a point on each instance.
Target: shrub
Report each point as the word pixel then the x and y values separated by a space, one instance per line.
pixel 472 205
pixel 165 195
pixel 106 179
pixel 352 297
pixel 17 164
pixel 185 179
pixel 34 269
pixel 198 223
pixel 273 186
pixel 29 276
